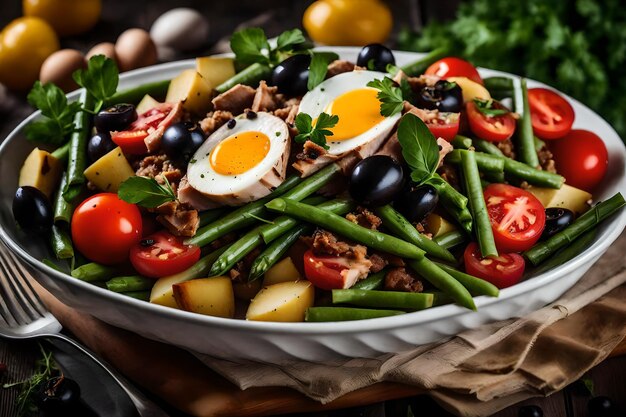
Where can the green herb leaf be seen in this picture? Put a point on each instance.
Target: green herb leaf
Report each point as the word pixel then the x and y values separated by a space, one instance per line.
pixel 288 39
pixel 318 133
pixel 250 46
pixel 146 192
pixel 100 79
pixel 419 147
pixel 317 69
pixel 58 121
pixel 487 108
pixel 390 96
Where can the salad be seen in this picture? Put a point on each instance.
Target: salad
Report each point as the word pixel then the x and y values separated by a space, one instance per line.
pixel 287 184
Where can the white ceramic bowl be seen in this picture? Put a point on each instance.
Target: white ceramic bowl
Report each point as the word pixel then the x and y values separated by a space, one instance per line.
pixel 280 342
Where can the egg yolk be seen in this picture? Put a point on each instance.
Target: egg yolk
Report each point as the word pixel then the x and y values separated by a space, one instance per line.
pixel 239 153
pixel 358 111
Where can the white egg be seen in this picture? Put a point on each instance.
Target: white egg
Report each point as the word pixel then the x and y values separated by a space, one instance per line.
pixel 182 28
pixel 241 163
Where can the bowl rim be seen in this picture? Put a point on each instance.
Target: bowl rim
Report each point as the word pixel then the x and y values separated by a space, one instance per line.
pixel 618 223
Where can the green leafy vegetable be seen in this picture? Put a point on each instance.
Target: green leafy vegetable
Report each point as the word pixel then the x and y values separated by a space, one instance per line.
pixel 251 46
pixel 100 79
pixel 146 192
pixel 419 148
pixel 487 108
pixel 390 96
pixel 289 39
pixel 315 133
pixel 317 69
pixel 58 121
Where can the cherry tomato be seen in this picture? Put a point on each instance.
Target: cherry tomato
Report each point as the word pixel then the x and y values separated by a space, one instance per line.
pixel 491 128
pixel 517 217
pixel 446 126
pixel 552 116
pixel 162 254
pixel 324 271
pixel 132 140
pixel 454 67
pixel 502 271
pixel 581 157
pixel 104 228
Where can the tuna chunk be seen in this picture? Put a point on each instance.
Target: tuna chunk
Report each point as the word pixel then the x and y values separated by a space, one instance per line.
pixel 235 100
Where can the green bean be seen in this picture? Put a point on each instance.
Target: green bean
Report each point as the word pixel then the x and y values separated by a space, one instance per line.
pixel 485 162
pixel 130 283
pixel 139 295
pixel 62 209
pixel 157 89
pixel 418 67
pixel 94 272
pixel 372 282
pixel 62 152
pixel 440 298
pixel 77 158
pixel 532 175
pixel 443 281
pixel 474 285
pixel 248 76
pixel 499 87
pixel 370 238
pixel 61 242
pixel 321 314
pixel 569 252
pixel 401 227
pixel 451 239
pixel 461 142
pixel 538 143
pixel 448 194
pixel 462 216
pixel 543 250
pixel 383 299
pixel 478 208
pixel 487 147
pixel 313 183
pixel 209 216
pixel 526 151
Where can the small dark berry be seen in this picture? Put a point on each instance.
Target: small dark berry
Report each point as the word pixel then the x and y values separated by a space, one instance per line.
pixel 251 115
pixel 530 411
pixel 231 123
pixel 602 406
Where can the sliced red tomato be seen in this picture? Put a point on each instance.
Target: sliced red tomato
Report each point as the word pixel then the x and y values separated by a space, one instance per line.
pixel 502 271
pixel 445 126
pixel 581 157
pixel 491 128
pixel 551 114
pixel 104 228
pixel 162 254
pixel 454 67
pixel 325 272
pixel 131 140
pixel 517 217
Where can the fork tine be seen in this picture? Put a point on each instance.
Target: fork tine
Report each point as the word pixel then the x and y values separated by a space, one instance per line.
pixel 31 295
pixel 15 298
pixel 11 315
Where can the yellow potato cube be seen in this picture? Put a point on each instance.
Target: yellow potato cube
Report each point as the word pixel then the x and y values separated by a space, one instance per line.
pixel 286 302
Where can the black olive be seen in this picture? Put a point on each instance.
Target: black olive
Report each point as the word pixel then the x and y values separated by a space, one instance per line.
pixel 58 395
pixel 530 411
pixel 375 181
pixel 557 219
pixel 99 145
pixel 417 204
pixel 115 118
pixel 292 75
pixel 603 407
pixel 375 57
pixel 443 96
pixel 231 123
pixel 181 140
pixel 32 210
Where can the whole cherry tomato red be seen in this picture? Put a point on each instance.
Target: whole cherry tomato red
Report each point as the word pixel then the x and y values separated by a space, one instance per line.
pixel 494 128
pixel 162 254
pixel 446 126
pixel 132 140
pixel 581 157
pixel 552 116
pixel 104 228
pixel 325 272
pixel 454 67
pixel 502 271
pixel 517 217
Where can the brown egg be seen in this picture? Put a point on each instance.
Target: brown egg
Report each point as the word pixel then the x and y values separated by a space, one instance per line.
pixel 59 66
pixel 135 49
pixel 105 48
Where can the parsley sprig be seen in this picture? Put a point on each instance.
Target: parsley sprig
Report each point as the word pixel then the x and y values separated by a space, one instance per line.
pixel 146 192
pixel 391 95
pixel 58 120
pixel 100 79
pixel 315 133
pixel 488 108
pixel 419 148
pixel 252 46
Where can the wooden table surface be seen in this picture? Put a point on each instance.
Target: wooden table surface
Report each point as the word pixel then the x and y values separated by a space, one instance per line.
pixel 609 378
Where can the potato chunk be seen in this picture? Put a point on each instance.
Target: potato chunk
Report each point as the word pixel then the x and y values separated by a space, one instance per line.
pixel 41 170
pixel 208 296
pixel 286 301
pixel 108 172
pixel 190 88
pixel 283 271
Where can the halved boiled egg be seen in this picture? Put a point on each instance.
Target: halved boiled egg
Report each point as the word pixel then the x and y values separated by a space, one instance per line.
pixel 241 163
pixel 361 127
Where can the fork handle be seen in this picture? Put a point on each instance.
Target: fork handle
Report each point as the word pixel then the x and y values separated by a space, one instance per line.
pixel 145 407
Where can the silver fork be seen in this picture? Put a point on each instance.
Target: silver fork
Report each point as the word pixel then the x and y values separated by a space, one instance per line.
pixel 23 316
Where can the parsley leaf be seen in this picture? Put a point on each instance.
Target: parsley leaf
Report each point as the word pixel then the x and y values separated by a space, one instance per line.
pixel 487 108
pixel 250 45
pixel 315 133
pixel 318 69
pixel 390 96
pixel 146 192
pixel 58 121
pixel 100 79
pixel 419 147
pixel 288 39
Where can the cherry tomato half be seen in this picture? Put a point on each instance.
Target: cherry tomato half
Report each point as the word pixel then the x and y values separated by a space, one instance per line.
pixel 502 271
pixel 517 217
pixel 325 271
pixel 581 157
pixel 104 228
pixel 552 116
pixel 491 128
pixel 162 254
pixel 446 126
pixel 454 67
pixel 132 140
